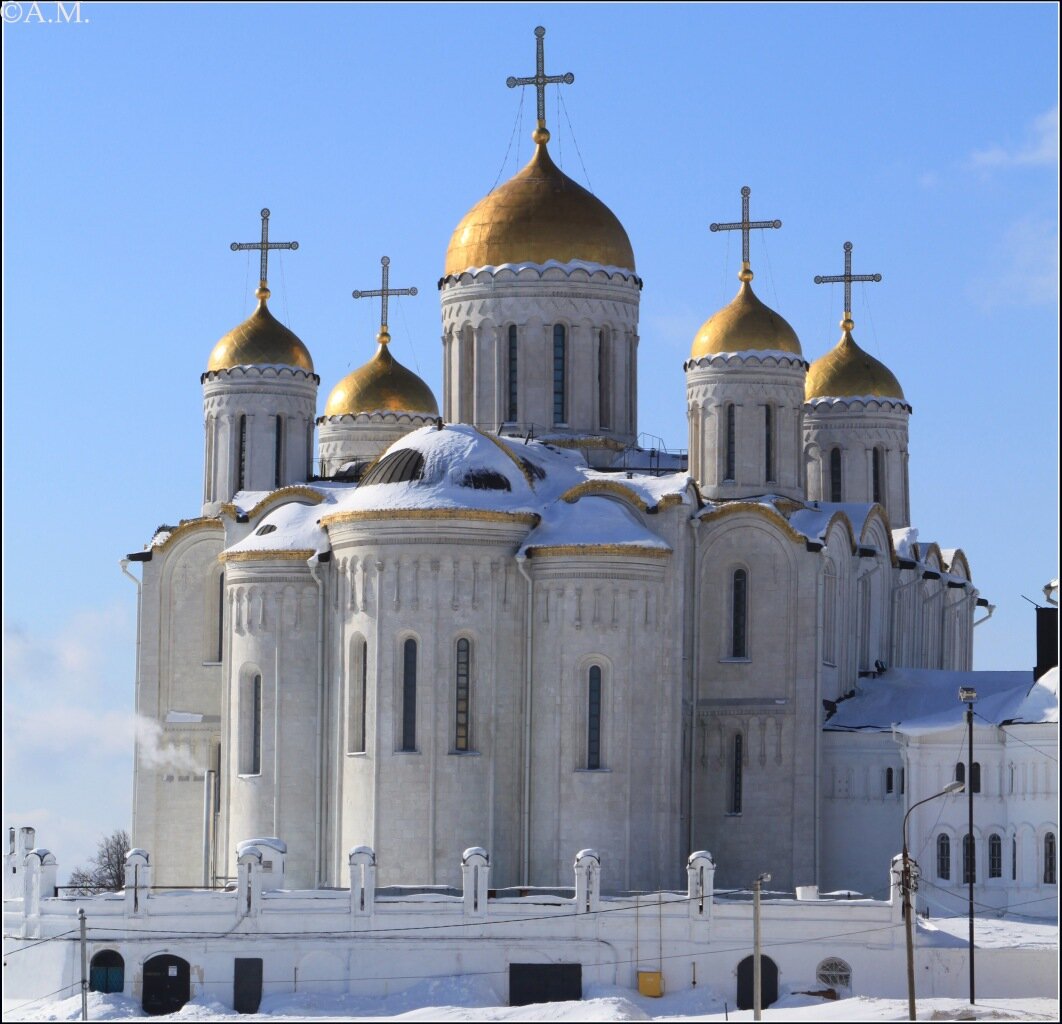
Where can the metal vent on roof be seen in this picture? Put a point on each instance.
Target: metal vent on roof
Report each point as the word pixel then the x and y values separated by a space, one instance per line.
pixel 485 480
pixel 536 471
pixel 398 467
pixel 263 530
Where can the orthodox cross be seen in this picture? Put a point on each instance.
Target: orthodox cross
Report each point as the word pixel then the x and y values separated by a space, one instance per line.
pixel 745 226
pixel 383 292
pixel 847 277
pixel 265 245
pixel 540 80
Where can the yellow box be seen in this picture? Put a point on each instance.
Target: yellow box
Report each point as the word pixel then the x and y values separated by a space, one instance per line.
pixel 651 983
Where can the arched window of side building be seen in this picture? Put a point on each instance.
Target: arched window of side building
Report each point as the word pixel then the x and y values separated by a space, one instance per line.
pixel 739 595
pixel 943 857
pixel 409 695
pixel 593 718
pixel 463 695
pixel 560 369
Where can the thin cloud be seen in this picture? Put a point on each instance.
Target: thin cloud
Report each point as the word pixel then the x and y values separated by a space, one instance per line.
pixel 1026 272
pixel 1040 148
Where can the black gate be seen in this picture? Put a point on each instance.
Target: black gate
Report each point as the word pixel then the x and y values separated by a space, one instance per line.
pixel 768 982
pixel 247 984
pixel 107 972
pixel 166 984
pixel 544 983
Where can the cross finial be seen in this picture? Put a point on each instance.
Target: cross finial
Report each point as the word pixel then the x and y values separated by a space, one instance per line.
pixel 540 80
pixel 265 245
pixel 383 292
pixel 847 277
pixel 745 226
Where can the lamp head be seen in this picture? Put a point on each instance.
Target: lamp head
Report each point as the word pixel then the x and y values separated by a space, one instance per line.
pixel 967 694
pixel 954 787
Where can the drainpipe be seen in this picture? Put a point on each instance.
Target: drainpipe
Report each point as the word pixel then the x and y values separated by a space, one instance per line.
pixel 525 823
pixel 314 565
pixel 124 563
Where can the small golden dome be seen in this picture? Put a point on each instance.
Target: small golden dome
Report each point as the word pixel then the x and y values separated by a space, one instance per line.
pixel 381 385
pixel 260 339
pixel 849 372
pixel 536 216
pixel 745 325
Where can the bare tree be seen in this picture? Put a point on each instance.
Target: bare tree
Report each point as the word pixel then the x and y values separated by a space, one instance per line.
pixel 106 870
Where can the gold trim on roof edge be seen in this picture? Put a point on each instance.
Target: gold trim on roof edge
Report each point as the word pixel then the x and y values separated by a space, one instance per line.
pixel 296 555
pixel 593 488
pixel 260 339
pixel 481 514
pixel 559 550
pixel 538 215
pixel 745 325
pixel 736 507
pixel 283 493
pixel 505 448
pixel 846 371
pixel 188 526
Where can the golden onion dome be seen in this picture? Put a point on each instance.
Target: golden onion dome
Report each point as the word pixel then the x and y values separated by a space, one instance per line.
pixel 746 324
pixel 849 372
pixel 536 216
pixel 382 385
pixel 260 340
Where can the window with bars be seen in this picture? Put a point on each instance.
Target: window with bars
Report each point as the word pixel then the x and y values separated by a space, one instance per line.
pixel 278 453
pixel 560 354
pixel 889 780
pixel 836 489
pixel 1050 876
pixel 593 718
pixel 943 857
pixel 834 973
pixel 604 379
pixel 463 695
pixel 736 771
pixel 969 860
pixel 876 469
pixel 513 409
pixel 995 856
pixel 241 455
pixel 730 469
pixel 768 443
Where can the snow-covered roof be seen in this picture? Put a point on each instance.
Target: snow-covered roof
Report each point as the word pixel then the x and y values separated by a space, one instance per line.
pixel 918 701
pixel 590 522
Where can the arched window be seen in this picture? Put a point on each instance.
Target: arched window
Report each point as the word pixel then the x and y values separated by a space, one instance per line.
pixel 876 470
pixel 768 443
pixel 834 973
pixel 969 860
pixel 736 766
pixel 731 444
pixel 356 697
pixel 1014 858
pixel 836 490
pixel 739 614
pixel 829 615
pixel 409 695
pixel 888 780
pixel 251 725
pixel 241 455
pixel 604 379
pixel 943 857
pixel 975 776
pixel 1050 878
pixel 560 404
pixel 593 718
pixel 960 772
pixel 995 856
pixel 278 453
pixel 513 356
pixel 463 695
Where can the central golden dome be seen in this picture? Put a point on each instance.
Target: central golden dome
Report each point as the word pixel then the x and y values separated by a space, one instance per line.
pixel 849 372
pixel 536 216
pixel 261 339
pixel 381 385
pixel 746 324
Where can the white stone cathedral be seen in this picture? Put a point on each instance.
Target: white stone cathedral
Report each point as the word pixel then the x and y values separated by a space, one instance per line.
pixel 507 625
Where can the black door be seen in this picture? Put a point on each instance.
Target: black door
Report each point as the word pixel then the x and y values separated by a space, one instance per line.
pixel 247 984
pixel 544 983
pixel 166 984
pixel 768 983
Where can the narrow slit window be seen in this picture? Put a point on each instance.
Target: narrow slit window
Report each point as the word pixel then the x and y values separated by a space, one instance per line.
pixel 220 645
pixel 768 443
pixel 836 489
pixel 278 453
pixel 876 469
pixel 356 699
pixel 409 695
pixel 513 368
pixel 943 857
pixel 960 772
pixel 559 373
pixel 593 719
pixel 739 614
pixel 241 455
pixel 736 767
pixel 1013 858
pixel 463 695
pixel 1049 859
pixel 975 776
pixel 731 444
pixel 995 856
pixel 604 380
pixel 969 860
pixel 251 726
pixel 888 780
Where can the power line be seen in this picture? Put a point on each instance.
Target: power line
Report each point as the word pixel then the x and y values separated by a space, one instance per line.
pixel 52 938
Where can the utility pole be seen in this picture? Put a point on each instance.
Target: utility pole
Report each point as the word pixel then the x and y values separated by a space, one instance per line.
pixel 84 962
pixel 968 696
pixel 757 993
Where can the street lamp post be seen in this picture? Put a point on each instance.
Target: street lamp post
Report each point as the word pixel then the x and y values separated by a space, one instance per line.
pixel 757 994
pixel 968 696
pixel 906 884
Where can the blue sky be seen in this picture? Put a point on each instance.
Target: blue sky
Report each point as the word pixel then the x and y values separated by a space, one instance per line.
pixel 139 143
